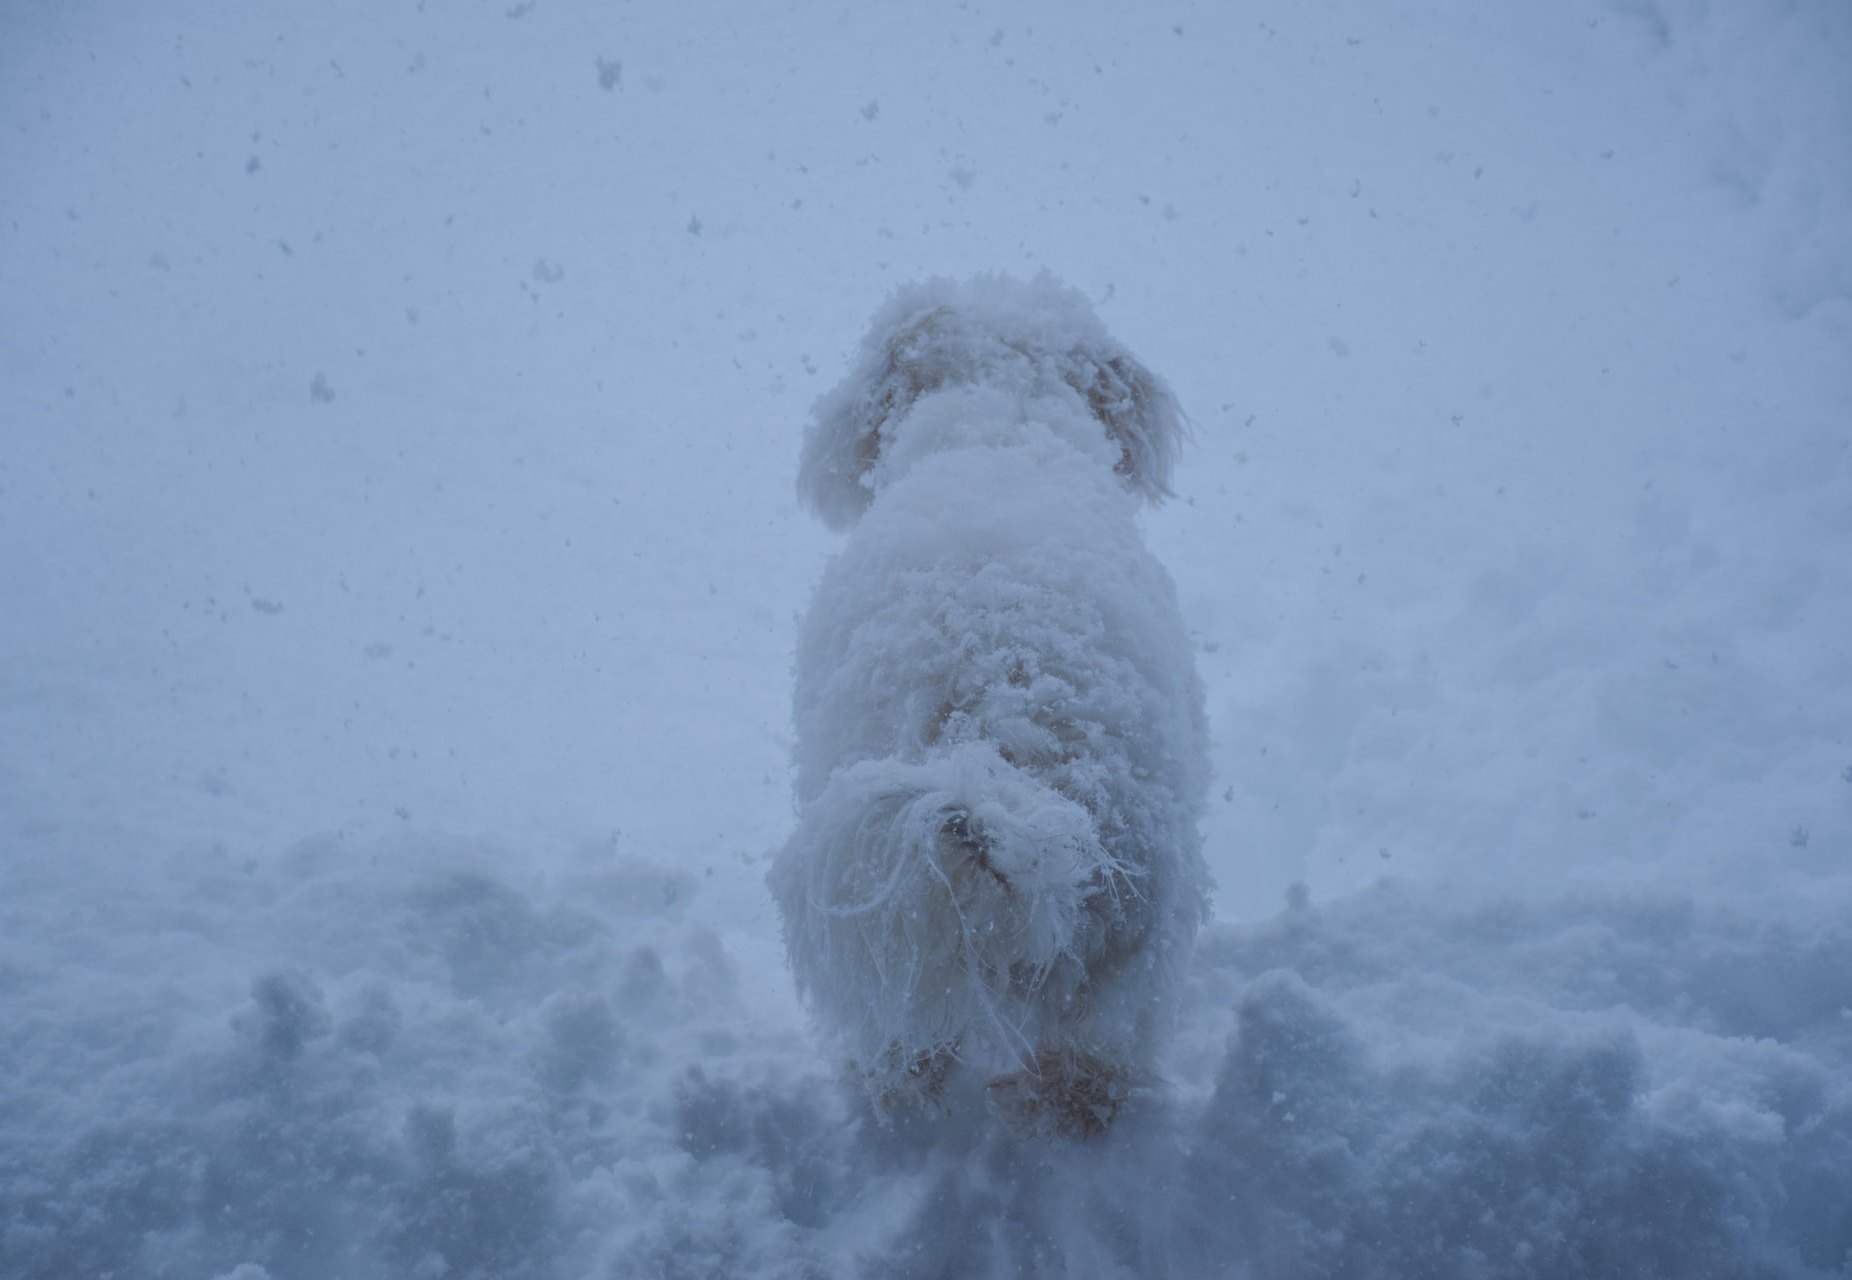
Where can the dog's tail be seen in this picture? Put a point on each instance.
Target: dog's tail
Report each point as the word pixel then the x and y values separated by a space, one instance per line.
pixel 944 900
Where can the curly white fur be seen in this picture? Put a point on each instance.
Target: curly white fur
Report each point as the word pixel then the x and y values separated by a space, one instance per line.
pixel 1001 751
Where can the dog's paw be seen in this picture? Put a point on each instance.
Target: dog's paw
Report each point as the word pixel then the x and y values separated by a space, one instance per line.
pixel 904 1081
pixel 1062 1093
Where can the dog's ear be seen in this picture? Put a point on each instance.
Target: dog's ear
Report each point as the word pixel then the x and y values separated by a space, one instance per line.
pixel 898 363
pixel 1139 414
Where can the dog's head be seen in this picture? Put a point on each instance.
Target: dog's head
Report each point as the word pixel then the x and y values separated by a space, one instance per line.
pixel 1033 339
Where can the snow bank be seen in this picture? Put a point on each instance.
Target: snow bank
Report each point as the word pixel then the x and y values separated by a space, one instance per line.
pixel 379 1061
pixel 404 1062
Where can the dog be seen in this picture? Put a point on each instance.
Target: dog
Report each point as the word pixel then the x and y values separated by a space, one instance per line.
pixel 1001 749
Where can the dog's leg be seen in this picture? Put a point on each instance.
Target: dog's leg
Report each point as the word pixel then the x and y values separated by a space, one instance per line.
pixel 904 1080
pixel 1067 1093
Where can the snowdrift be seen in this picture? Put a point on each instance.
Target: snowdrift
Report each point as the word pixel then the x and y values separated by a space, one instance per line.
pixel 403 1061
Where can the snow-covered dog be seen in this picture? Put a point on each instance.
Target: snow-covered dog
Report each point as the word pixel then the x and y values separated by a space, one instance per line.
pixel 1001 751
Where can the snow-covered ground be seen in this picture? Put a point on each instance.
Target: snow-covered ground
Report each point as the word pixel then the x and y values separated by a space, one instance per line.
pixel 399 564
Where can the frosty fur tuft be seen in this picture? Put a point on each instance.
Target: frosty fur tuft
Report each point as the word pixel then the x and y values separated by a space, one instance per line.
pixel 1001 751
pixel 1033 339
pixel 959 884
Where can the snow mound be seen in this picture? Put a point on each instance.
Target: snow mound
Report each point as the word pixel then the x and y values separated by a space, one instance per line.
pixel 406 1061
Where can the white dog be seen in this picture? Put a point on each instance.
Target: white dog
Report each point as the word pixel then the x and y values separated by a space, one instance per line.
pixel 1001 746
